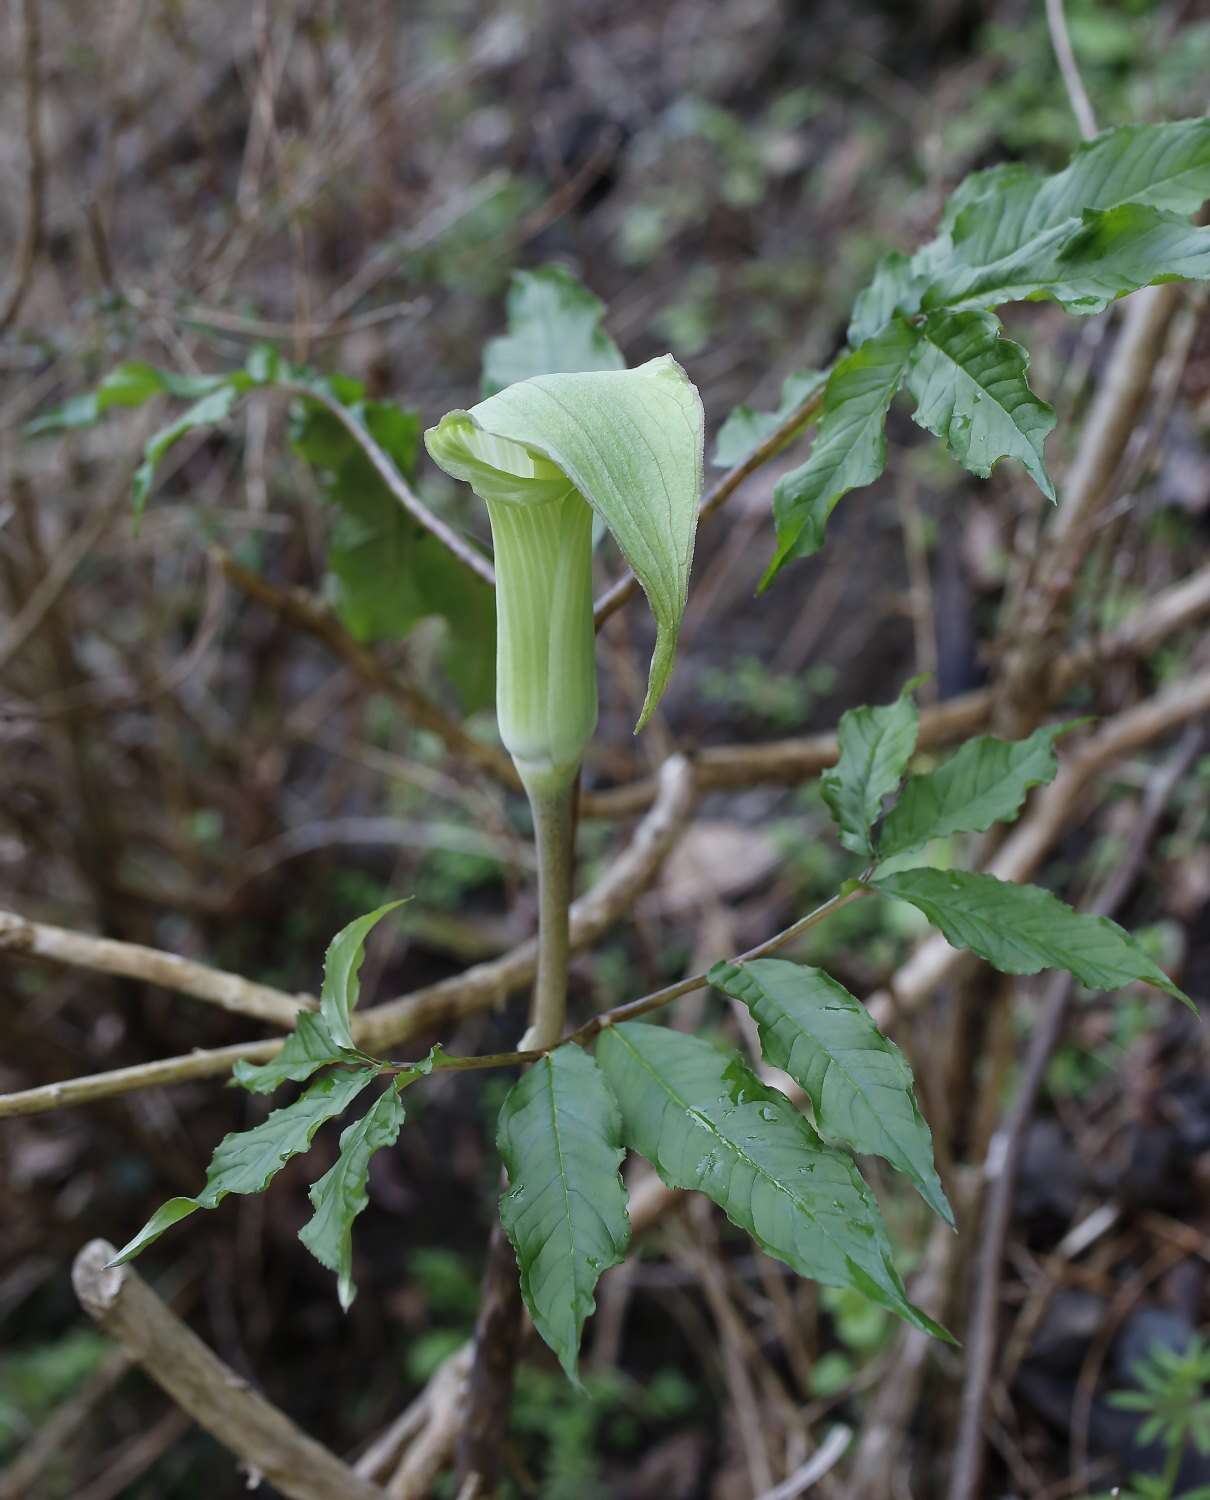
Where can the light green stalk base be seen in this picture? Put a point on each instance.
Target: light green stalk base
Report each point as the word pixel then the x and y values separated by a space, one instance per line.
pixel 553 838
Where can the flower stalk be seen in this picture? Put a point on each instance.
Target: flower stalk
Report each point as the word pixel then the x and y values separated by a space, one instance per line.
pixel 545 454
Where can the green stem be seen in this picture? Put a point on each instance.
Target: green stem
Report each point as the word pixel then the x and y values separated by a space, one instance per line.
pixel 1172 1467
pixel 551 800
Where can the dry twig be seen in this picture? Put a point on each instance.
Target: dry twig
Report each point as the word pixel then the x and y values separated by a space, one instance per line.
pixel 122 1303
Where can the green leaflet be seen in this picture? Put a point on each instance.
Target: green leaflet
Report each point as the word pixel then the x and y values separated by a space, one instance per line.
pixel 745 430
pixel 972 393
pixel 850 445
pixel 1108 254
pixel 1021 929
pixel 560 1137
pixel 308 1048
pixel 128 385
pixel 554 326
pixel 628 441
pixel 1105 225
pixel 341 1193
pixel 211 409
pixel 706 1122
pixel 390 572
pixel 875 747
pixel 858 1082
pixel 247 1161
pixel 342 965
pixel 982 783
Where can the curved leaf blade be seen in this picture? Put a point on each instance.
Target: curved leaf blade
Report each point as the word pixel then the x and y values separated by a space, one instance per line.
pixel 972 391
pixel 706 1122
pixel 1022 929
pixel 554 327
pixel 858 1081
pixel 850 445
pixel 875 747
pixel 342 1192
pixel 982 783
pixel 560 1138
pixel 246 1161
pixel 342 965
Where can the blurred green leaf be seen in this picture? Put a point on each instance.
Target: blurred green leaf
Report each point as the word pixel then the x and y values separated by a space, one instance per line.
pixel 745 430
pixel 554 326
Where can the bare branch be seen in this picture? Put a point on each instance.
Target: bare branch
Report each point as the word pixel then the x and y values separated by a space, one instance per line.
pixel 402 491
pixel 222 1402
pixel 1004 1151
pixel 31 238
pixel 301 609
pixel 1077 95
pixel 152 966
pixel 476 989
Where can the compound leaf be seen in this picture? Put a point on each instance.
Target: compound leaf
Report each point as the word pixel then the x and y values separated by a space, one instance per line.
pixel 1021 929
pixel 247 1161
pixel 554 326
pixel 972 393
pixel 875 747
pixel 706 1122
pixel 982 783
pixel 341 1193
pixel 560 1137
pixel 858 1082
pixel 849 447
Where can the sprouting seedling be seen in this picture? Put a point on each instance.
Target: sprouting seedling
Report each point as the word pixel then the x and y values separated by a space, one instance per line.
pixel 545 454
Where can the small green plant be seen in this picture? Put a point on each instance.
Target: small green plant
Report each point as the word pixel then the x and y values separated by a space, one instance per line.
pixel 566 431
pixel 1172 1398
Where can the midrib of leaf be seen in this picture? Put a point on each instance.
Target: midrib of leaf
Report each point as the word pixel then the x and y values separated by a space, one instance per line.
pixel 557 1136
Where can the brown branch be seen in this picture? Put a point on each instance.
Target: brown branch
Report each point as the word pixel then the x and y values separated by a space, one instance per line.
pixel 400 489
pixel 1077 95
pixel 306 612
pixel 476 989
pixel 80 950
pixel 624 588
pixel 719 767
pixel 31 239
pixel 1037 614
pixel 218 1399
pixel 1004 1151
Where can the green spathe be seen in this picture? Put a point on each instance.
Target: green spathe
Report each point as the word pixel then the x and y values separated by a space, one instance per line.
pixel 624 443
